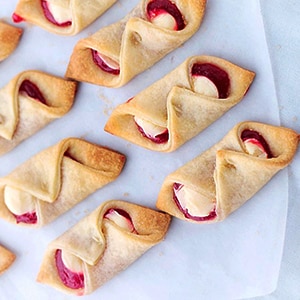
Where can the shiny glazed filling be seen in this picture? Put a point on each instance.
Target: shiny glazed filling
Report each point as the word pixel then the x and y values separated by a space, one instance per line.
pixel 256 144
pixel 185 210
pixel 31 90
pixel 216 75
pixel 166 14
pixel 105 63
pixel 50 17
pixel 121 218
pixel 72 280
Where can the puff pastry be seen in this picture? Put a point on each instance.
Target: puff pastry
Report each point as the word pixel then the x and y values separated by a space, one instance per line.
pixel 6 259
pixel 29 102
pixel 101 245
pixel 217 182
pixel 63 17
pixel 54 180
pixel 9 39
pixel 115 54
pixel 180 105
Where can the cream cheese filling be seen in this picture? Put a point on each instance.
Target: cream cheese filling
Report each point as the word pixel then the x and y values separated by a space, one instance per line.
pixel 204 86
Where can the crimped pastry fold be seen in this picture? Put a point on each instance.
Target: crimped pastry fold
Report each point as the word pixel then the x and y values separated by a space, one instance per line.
pixel 104 247
pixel 228 174
pixel 176 104
pixel 6 259
pixel 9 39
pixel 81 13
pixel 29 102
pixel 134 43
pixel 54 180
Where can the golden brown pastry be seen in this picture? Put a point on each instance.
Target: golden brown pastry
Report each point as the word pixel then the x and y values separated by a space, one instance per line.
pixel 217 182
pixel 56 179
pixel 64 17
pixel 115 54
pixel 9 39
pixel 101 245
pixel 180 105
pixel 6 259
pixel 29 102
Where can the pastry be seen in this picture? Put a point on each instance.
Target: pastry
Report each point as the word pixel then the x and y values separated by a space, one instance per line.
pixel 29 102
pixel 115 54
pixel 63 17
pixel 6 259
pixel 101 245
pixel 180 105
pixel 56 179
pixel 9 39
pixel 217 182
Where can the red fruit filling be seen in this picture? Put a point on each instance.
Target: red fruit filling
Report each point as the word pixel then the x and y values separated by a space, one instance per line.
pixel 218 76
pixel 156 8
pixel 158 139
pixel 103 65
pixel 50 17
pixel 119 216
pixel 17 19
pixel 212 215
pixel 27 218
pixel 256 138
pixel 69 278
pixel 32 91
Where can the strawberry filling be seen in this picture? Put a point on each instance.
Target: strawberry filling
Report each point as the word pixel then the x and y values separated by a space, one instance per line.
pixel 46 6
pixel 216 75
pixel 256 144
pixel 72 280
pixel 31 90
pixel 166 14
pixel 105 63
pixel 17 19
pixel 121 218
pixel 27 218
pixel 189 207
pixel 155 133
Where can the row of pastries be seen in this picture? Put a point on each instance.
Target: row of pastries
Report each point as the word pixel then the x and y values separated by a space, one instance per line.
pixel 162 117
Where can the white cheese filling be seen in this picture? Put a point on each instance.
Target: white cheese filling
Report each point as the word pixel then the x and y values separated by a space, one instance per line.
pixel 60 10
pixel 119 220
pixel 71 262
pixel 150 129
pixel 165 20
pixel 204 86
pixel 193 202
pixel 18 202
pixel 109 61
pixel 254 148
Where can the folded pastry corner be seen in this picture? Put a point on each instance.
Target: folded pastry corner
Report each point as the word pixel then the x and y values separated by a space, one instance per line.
pixel 220 180
pixel 118 52
pixel 63 17
pixel 6 259
pixel 179 106
pixel 100 246
pixel 56 179
pixel 30 101
pixel 9 39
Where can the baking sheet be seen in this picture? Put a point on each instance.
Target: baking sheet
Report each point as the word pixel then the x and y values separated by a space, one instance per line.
pixel 237 258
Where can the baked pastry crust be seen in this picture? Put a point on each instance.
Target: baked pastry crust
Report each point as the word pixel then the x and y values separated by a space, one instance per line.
pixel 104 248
pixel 134 42
pixel 6 259
pixel 227 174
pixel 21 119
pixel 83 14
pixel 61 176
pixel 173 103
pixel 9 39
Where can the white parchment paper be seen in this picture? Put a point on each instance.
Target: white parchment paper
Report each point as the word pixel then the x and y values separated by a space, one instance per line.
pixel 237 258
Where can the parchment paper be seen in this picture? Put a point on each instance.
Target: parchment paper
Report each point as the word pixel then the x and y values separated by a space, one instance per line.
pixel 237 258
